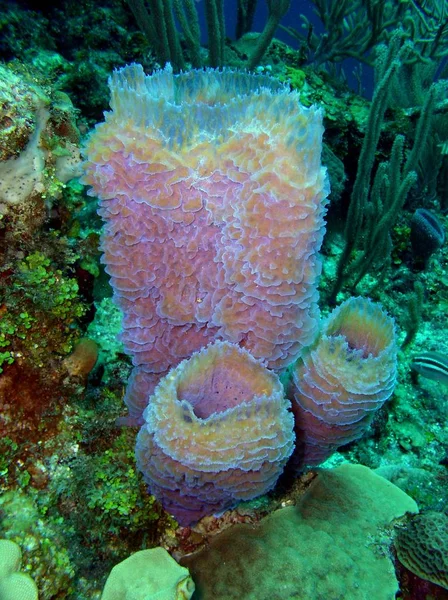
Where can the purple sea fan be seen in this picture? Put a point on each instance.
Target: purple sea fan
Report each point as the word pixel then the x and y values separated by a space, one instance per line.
pixel 213 196
pixel 343 379
pixel 217 430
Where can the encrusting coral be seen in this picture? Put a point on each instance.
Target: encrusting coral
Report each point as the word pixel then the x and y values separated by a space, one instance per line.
pixel 341 381
pixel 332 545
pixel 36 159
pixel 148 574
pixel 213 194
pixel 218 430
pixel 14 585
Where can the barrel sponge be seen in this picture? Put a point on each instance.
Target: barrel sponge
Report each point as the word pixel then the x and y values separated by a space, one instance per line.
pixel 343 379
pixel 213 196
pixel 217 430
pixel 422 547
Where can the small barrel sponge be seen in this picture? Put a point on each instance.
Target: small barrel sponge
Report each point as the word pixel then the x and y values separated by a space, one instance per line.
pixel 343 379
pixel 14 585
pixel 149 575
pixel 422 547
pixel 213 196
pixel 217 430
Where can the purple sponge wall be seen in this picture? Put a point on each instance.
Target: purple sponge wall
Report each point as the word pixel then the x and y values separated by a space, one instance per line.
pixel 217 430
pixel 343 379
pixel 213 197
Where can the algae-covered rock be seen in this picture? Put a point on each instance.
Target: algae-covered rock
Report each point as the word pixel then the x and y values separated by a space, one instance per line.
pixel 149 575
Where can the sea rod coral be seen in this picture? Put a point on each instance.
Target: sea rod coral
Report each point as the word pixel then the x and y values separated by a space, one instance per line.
pixel 213 197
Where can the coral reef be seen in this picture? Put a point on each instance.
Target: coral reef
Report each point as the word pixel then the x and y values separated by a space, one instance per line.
pixel 214 216
pixel 39 150
pixel 217 430
pixel 45 556
pixel 342 380
pixel 71 496
pixel 41 302
pixel 316 549
pixel 41 305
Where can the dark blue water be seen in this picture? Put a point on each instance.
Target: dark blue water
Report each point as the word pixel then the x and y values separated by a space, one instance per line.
pixel 291 19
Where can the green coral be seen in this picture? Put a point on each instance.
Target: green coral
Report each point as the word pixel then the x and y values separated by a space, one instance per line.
pixel 295 77
pixel 108 484
pixel 41 302
pixel 8 451
pixel 401 235
pixel 13 584
pixel 11 327
pixel 53 186
pixel 6 358
pixel 115 492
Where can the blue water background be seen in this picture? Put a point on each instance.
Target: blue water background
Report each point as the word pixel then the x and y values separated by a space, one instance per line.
pixel 291 19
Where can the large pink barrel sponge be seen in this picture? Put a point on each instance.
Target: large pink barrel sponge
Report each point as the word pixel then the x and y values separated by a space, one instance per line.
pixel 217 430
pixel 213 196
pixel 343 379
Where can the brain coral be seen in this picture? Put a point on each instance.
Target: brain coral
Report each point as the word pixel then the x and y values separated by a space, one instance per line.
pixel 342 380
pixel 218 430
pixel 213 195
pixel 422 547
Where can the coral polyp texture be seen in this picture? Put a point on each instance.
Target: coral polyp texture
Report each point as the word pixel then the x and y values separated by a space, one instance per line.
pixel 422 547
pixel 217 430
pixel 148 574
pixel 343 379
pixel 213 196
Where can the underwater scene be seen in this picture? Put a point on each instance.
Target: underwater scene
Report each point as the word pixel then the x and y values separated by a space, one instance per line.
pixel 224 300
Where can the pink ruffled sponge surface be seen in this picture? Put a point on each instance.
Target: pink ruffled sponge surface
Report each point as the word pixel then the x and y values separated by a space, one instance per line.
pixel 217 430
pixel 343 379
pixel 213 196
